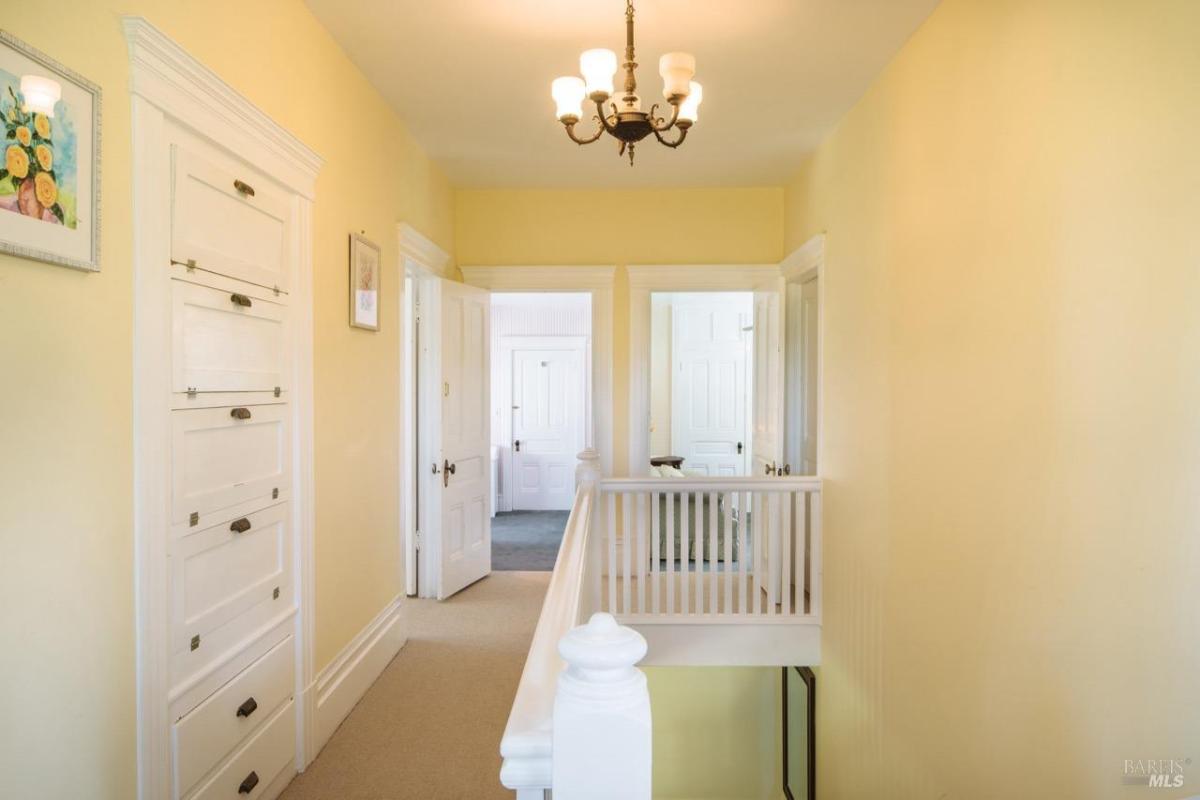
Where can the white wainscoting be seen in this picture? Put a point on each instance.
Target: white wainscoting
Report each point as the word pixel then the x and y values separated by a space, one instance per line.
pixel 342 683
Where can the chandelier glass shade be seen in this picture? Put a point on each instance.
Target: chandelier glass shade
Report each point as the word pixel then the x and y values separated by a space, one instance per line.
pixel 620 115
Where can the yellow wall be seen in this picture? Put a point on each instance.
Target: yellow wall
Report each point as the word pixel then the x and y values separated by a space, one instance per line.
pixel 716 732
pixel 498 227
pixel 1012 378
pixel 66 541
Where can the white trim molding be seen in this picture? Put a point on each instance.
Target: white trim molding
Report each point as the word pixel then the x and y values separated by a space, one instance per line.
pixel 807 258
pixel 346 679
pixel 596 280
pixel 168 86
pixel 420 248
pixel 645 279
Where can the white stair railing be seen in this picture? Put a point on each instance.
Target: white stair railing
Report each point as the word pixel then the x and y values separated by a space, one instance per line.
pixel 710 550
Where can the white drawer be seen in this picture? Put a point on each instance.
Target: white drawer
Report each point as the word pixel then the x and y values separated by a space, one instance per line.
pixel 226 341
pixel 221 572
pixel 236 233
pixel 257 763
pixel 220 460
pixel 218 725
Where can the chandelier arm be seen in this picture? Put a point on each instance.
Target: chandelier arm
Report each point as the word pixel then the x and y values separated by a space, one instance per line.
pixel 610 127
pixel 683 132
pixel 570 126
pixel 655 120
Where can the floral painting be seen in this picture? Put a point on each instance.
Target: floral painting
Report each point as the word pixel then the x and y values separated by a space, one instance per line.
pixel 49 173
pixel 38 178
pixel 364 283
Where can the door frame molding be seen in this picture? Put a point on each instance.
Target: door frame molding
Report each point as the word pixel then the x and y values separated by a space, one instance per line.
pixel 802 264
pixel 645 279
pixel 421 258
pixel 167 83
pixel 596 281
pixel 507 347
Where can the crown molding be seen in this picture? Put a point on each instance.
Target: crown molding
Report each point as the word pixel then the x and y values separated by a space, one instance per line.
pixel 169 77
pixel 421 248
pixel 540 278
pixel 700 277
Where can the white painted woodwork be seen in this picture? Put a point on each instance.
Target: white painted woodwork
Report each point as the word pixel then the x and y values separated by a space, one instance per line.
pixel 220 460
pixel 218 345
pixel 254 239
pixel 265 754
pixel 548 400
pixel 218 574
pixel 710 383
pixel 767 447
pixel 602 723
pixel 465 440
pixel 214 728
pixel 810 349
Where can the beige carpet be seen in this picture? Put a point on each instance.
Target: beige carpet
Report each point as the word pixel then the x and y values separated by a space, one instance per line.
pixel 430 727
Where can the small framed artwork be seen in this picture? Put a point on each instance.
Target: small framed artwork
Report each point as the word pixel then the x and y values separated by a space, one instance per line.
pixel 50 174
pixel 364 283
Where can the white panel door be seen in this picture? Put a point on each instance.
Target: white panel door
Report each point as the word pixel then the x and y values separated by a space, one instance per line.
pixel 767 449
pixel 548 401
pixel 708 389
pixel 465 552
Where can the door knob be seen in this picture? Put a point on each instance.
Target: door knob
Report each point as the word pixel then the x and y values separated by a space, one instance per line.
pixel 448 469
pixel 771 469
pixel 786 469
pixel 739 448
pixel 517 445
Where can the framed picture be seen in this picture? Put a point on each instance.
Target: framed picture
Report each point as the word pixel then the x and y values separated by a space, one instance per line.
pixel 50 174
pixel 364 283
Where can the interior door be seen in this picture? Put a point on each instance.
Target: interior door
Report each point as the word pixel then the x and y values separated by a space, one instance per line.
pixel 767 448
pixel 708 414
pixel 463 465
pixel 547 426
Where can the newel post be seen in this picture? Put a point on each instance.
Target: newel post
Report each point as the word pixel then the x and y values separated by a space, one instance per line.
pixel 588 468
pixel 602 744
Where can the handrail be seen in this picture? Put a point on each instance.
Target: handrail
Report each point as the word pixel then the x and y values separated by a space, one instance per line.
pixel 704 484
pixel 527 744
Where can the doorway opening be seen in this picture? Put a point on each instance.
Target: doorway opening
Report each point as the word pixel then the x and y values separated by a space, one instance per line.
pixel 541 416
pixel 701 382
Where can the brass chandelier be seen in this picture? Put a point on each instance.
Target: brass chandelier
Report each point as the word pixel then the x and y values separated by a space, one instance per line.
pixel 625 121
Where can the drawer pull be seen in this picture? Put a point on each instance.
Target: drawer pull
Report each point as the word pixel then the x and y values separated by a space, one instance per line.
pixel 243 188
pixel 247 708
pixel 248 785
pixel 240 300
pixel 240 413
pixel 240 525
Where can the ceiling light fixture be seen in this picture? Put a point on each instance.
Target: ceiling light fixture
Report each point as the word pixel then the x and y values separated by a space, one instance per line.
pixel 626 121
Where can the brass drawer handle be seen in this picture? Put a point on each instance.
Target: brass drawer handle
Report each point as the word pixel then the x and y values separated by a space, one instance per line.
pixel 248 785
pixel 240 413
pixel 240 526
pixel 245 189
pixel 247 708
pixel 240 300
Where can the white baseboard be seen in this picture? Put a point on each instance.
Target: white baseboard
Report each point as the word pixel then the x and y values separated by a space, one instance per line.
pixel 345 680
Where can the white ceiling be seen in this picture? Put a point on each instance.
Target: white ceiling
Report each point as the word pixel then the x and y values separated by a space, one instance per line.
pixel 471 79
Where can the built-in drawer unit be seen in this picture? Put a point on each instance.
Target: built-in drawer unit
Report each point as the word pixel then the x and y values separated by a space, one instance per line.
pixel 226 341
pixel 228 455
pixel 219 573
pixel 250 770
pixel 215 727
pixel 227 219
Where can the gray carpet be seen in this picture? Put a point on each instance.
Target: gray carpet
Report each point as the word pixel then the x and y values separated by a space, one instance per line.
pixel 527 540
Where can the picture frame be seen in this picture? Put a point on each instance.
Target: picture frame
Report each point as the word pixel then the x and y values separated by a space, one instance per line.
pixel 50 172
pixel 366 261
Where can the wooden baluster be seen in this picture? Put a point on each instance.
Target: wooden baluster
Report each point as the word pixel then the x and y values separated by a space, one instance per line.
pixel 727 556
pixel 612 553
pixel 655 553
pixel 684 561
pixel 760 557
pixel 815 566
pixel 743 552
pixel 670 538
pixel 642 555
pixel 627 546
pixel 785 551
pixel 711 536
pixel 698 547
pixel 801 555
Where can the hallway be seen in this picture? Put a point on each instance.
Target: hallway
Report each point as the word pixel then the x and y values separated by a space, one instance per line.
pixel 435 716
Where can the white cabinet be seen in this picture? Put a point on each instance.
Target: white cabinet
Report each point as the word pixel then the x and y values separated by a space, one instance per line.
pixel 228 218
pixel 226 340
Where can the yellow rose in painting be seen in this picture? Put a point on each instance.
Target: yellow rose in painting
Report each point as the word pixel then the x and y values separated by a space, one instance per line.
pixel 47 189
pixel 16 161
pixel 45 156
pixel 23 135
pixel 41 124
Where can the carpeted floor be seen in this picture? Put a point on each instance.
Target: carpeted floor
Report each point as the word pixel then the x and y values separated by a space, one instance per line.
pixel 430 727
pixel 527 540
